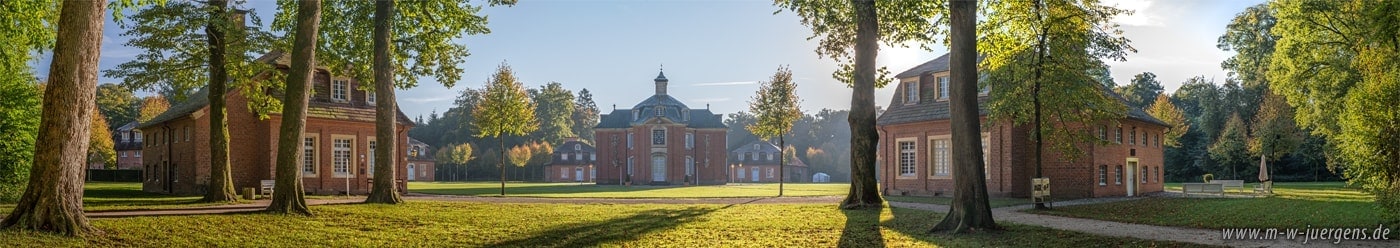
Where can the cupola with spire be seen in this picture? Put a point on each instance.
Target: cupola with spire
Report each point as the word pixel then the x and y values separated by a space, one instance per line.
pixel 661 83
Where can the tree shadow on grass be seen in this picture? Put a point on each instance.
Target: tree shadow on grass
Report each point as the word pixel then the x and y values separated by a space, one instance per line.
pixel 862 228
pixel 612 230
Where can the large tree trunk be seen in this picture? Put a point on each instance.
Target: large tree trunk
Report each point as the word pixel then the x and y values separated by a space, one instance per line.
pixel 384 189
pixel 220 177
pixel 862 119
pixel 288 196
pixel 53 200
pixel 970 211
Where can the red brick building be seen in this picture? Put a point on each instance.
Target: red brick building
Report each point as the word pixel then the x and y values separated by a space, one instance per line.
pixel 660 141
pixel 758 162
pixel 128 146
pixel 572 161
pixel 338 138
pixel 915 148
pixel 422 166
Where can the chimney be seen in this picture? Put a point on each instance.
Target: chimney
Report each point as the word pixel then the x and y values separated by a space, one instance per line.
pixel 661 83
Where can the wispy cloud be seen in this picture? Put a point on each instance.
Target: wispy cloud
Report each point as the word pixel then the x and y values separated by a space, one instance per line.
pixel 712 100
pixel 1140 17
pixel 726 83
pixel 427 99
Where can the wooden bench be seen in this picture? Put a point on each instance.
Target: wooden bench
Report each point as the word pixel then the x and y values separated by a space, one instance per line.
pixel 267 186
pixel 1238 184
pixel 1211 188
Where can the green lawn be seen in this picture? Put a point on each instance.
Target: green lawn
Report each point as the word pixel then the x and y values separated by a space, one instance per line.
pixel 576 190
pixel 1293 205
pixel 435 224
pixel 996 202
pixel 105 196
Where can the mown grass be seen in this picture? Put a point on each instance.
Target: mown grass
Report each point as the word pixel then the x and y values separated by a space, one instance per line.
pixel 1293 205
pixel 108 196
pixel 458 224
pixel 577 190
pixel 995 202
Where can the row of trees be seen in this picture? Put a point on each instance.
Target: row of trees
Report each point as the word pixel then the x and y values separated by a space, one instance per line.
pixel 178 56
pixel 559 113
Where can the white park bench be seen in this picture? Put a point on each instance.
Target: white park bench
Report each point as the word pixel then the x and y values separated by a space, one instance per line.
pixel 1238 184
pixel 267 186
pixel 1211 188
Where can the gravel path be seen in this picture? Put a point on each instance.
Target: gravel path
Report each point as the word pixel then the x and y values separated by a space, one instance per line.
pixel 259 205
pixel 1013 214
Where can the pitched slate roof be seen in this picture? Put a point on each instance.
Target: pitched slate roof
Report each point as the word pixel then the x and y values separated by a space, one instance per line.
pixel 928 109
pixel 567 148
pixel 314 109
pixel 763 148
pixel 661 106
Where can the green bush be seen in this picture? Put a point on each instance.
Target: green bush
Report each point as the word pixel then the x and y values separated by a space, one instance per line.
pixel 1389 203
pixel 1207 177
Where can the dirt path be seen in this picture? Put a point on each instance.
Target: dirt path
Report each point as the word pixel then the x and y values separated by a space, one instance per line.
pixel 1013 214
pixel 259 205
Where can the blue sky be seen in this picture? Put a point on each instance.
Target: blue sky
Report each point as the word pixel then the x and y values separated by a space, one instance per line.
pixel 714 52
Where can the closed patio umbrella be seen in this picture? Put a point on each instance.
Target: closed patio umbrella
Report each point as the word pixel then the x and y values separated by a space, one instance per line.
pixel 1264 175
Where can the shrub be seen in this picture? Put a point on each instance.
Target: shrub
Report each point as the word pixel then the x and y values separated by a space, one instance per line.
pixel 1207 177
pixel 1389 203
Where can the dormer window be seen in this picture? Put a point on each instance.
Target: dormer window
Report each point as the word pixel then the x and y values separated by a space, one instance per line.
pixel 685 114
pixel 660 110
pixel 943 88
pixel 636 115
pixel 578 147
pixel 755 147
pixel 339 90
pixel 911 92
pixel 770 156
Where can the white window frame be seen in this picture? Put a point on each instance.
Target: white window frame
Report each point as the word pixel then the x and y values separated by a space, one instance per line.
pixel 1118 175
pixel 911 92
pixel 592 156
pixel 689 141
pixel 942 83
pixel 345 154
pixel 370 144
pixel 1118 136
pixel 188 132
pixel 771 171
pixel 310 157
pixel 371 97
pixel 770 156
pixel 940 156
pixel 908 166
pixel 1103 175
pixel 563 172
pixel 578 147
pixel 1132 137
pixel 138 153
pixel 340 90
pixel 578 156
pixel 629 140
pixel 123 154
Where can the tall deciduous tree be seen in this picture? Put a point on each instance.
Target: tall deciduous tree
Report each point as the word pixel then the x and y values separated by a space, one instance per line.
pixel 288 196
pixel 101 149
pixel 1335 61
pixel 384 190
pixel 151 107
pixel 1250 35
pixel 1164 110
pixel 1018 45
pixel 1143 89
pixel 554 105
pixel 504 109
pixel 53 200
pixel 1231 149
pixel 1274 132
pixel 970 210
pixel 850 32
pixel 118 104
pixel 29 27
pixel 776 106
pixel 411 39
